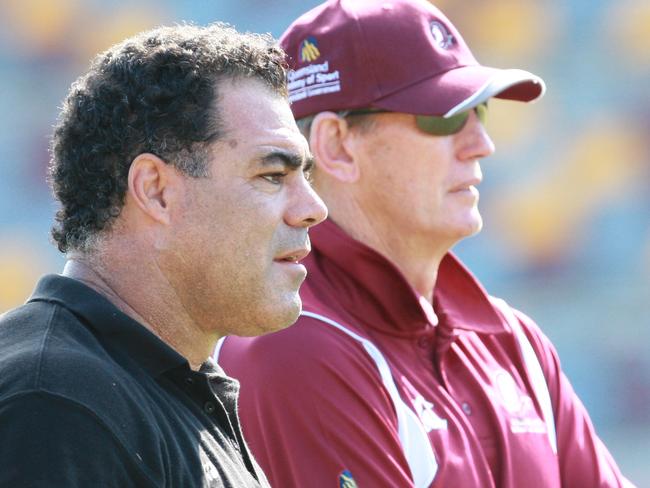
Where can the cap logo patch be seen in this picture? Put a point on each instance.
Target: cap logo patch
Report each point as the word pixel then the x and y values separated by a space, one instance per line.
pixel 346 480
pixel 315 78
pixel 441 35
pixel 309 50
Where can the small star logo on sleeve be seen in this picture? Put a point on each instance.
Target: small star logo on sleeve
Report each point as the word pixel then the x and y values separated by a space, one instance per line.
pixel 346 480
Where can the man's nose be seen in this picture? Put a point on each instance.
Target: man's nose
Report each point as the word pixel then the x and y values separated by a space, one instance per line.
pixel 473 140
pixel 306 208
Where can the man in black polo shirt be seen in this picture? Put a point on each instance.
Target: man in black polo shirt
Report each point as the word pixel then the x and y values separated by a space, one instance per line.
pixel 184 210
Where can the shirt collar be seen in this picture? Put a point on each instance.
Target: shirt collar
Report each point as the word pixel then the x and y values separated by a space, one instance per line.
pixel 112 325
pixel 460 302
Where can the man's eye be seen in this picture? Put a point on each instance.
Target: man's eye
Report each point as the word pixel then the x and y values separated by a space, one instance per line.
pixel 275 178
pixel 309 175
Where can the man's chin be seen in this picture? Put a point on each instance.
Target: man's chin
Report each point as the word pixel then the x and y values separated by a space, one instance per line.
pixel 470 226
pixel 279 317
pixel 292 313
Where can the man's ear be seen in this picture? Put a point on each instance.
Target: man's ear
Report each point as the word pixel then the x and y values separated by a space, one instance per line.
pixel 153 185
pixel 330 143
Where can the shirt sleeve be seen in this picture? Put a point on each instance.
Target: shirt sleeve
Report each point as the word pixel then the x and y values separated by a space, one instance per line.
pixel 48 440
pixel 314 410
pixel 584 459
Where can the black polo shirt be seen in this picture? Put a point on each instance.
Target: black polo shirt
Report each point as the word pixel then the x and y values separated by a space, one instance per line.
pixel 90 397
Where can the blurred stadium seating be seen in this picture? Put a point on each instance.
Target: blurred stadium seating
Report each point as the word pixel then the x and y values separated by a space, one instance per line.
pixel 566 198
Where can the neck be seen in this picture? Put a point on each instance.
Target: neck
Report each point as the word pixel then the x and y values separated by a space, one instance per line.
pixel 148 301
pixel 418 257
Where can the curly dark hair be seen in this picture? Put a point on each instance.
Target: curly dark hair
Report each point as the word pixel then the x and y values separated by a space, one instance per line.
pixel 155 92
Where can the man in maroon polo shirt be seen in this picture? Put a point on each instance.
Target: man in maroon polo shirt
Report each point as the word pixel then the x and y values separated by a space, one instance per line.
pixel 402 370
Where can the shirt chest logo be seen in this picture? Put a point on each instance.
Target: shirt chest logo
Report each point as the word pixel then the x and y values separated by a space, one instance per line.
pixel 523 416
pixel 429 418
pixel 424 409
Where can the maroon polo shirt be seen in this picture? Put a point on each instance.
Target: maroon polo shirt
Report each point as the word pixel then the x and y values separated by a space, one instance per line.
pixel 315 411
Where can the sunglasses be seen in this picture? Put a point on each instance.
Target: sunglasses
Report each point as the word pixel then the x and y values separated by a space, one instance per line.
pixel 432 124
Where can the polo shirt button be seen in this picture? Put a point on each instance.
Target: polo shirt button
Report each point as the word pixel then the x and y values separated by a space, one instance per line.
pixel 423 342
pixel 208 407
pixel 466 408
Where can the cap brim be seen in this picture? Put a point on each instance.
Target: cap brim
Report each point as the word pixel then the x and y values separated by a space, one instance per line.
pixel 463 88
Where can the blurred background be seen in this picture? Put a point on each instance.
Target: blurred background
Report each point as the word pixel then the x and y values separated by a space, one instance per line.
pixel 566 197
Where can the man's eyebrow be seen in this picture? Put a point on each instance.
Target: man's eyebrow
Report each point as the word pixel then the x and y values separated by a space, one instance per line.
pixel 291 160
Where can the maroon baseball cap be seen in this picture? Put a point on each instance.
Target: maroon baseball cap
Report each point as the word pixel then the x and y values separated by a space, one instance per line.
pixel 397 55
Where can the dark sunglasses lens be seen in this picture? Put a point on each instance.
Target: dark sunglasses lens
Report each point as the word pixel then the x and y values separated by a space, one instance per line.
pixel 481 112
pixel 440 126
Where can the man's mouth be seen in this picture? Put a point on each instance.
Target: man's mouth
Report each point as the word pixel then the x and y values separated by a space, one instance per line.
pixel 293 256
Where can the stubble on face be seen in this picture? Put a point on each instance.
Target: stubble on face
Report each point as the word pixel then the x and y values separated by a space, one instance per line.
pixel 408 178
pixel 221 253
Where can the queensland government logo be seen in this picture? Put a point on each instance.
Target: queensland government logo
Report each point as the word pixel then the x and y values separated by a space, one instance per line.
pixel 309 50
pixel 346 480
